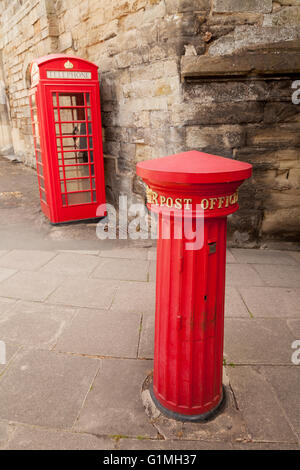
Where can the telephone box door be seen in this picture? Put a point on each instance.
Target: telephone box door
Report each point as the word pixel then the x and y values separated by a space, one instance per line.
pixel 76 149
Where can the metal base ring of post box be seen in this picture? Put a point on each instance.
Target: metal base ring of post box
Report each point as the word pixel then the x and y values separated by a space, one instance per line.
pixel 190 418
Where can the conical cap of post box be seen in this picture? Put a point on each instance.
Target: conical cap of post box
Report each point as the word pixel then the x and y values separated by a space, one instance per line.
pixel 194 167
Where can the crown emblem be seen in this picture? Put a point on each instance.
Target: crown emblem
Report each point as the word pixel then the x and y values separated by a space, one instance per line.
pixel 68 65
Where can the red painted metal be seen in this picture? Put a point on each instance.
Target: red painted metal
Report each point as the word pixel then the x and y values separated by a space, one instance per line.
pixel 66 122
pixel 190 285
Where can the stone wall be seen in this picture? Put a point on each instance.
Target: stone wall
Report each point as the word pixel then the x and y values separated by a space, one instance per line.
pixel 177 75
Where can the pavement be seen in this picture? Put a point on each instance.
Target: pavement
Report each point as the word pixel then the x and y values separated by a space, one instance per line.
pixel 77 319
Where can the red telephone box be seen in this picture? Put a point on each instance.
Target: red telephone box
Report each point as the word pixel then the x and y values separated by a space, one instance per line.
pixel 66 122
pixel 190 280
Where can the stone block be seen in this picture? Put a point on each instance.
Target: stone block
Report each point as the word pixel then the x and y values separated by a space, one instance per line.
pixel 284 17
pixel 228 6
pixel 182 6
pixel 218 113
pixel 224 136
pixel 65 41
pixel 279 135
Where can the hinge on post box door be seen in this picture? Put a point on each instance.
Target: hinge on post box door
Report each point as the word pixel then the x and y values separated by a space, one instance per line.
pixel 179 322
pixel 212 247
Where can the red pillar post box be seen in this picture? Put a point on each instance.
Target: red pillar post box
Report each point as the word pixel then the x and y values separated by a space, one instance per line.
pixel 66 122
pixel 200 190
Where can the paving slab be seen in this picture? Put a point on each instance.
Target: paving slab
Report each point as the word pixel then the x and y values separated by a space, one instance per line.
pixel 113 405
pixel 44 388
pixel 6 431
pixel 152 253
pixel 123 269
pixel 167 444
pixel 136 297
pixel 3 252
pixel 6 304
pixel 229 257
pixel 242 275
pixel 152 271
pixel 257 341
pixel 279 275
pixel 265 446
pixel 89 293
pixel 35 324
pixel 72 264
pixel 271 302
pixel 256 399
pixel 295 255
pixel 127 253
pixel 26 260
pixel 28 285
pixel 28 438
pixel 285 380
pixel 101 333
pixel 294 326
pixel 146 346
pixel 263 256
pixel 5 273
pixel 234 305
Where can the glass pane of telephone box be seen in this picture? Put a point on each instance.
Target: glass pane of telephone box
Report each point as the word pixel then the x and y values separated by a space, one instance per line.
pixel 83 184
pixel 79 198
pixel 74 171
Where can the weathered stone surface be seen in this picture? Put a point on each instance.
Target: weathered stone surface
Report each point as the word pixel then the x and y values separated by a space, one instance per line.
pixel 246 37
pixel 71 264
pixel 250 387
pixel 101 333
pixel 30 438
pixel 85 293
pixel 268 60
pixel 28 285
pixel 25 259
pixel 283 17
pixel 122 269
pixel 46 389
pixel 226 137
pixel 257 341
pixel 226 6
pixel 114 404
pixel 34 324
